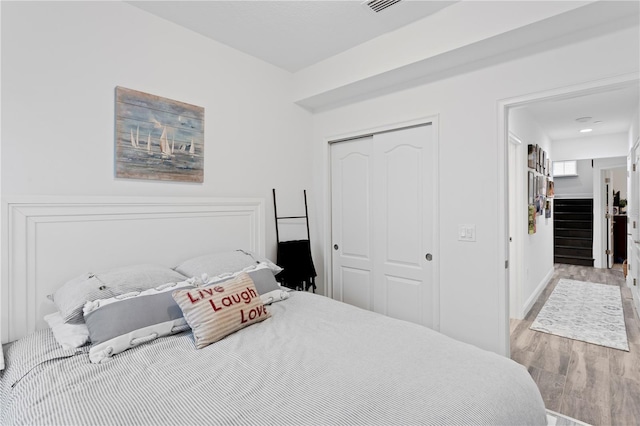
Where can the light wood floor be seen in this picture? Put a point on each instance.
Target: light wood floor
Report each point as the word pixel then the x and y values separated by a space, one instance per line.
pixel 594 384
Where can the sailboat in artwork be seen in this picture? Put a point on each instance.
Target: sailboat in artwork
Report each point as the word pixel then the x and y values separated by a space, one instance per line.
pixel 192 148
pixel 149 143
pixel 134 143
pixel 173 143
pixel 164 143
pixel 135 140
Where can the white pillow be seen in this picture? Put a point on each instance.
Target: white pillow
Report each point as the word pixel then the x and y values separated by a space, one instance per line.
pixel 70 336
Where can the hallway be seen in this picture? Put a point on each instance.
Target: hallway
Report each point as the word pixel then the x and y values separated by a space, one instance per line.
pixel 594 384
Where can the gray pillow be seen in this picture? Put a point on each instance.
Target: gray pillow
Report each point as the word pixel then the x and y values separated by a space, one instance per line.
pixel 215 264
pixel 132 313
pixel 264 280
pixel 71 297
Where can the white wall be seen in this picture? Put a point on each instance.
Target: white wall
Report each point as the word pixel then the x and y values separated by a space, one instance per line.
pixel 60 64
pixel 536 249
pixel 620 181
pixel 468 156
pixel 588 147
pixel 580 186
pixel 634 130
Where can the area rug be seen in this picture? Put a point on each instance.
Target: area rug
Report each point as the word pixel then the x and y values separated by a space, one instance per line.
pixel 585 311
pixel 557 419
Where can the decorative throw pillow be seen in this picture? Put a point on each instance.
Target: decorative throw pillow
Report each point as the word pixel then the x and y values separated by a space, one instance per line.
pixel 128 320
pixel 71 297
pixel 216 311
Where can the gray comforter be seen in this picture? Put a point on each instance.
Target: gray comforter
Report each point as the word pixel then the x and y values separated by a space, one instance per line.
pixel 316 361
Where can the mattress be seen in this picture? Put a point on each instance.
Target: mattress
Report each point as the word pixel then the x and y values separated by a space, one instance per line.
pixel 315 361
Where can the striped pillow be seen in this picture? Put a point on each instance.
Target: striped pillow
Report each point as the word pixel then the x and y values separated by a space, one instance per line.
pixel 71 297
pixel 216 311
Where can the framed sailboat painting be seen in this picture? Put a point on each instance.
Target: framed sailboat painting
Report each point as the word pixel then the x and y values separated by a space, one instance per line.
pixel 158 138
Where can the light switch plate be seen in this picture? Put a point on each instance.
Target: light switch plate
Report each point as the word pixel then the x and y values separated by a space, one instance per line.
pixel 467 232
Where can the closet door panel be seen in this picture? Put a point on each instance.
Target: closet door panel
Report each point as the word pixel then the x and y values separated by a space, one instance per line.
pixel 351 217
pixel 403 177
pixel 403 298
pixel 356 288
pixel 402 214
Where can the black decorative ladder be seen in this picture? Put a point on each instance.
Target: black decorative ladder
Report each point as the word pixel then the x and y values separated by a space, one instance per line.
pixel 295 256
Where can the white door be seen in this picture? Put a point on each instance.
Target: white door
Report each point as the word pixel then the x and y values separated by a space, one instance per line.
pixel 351 221
pixel 382 224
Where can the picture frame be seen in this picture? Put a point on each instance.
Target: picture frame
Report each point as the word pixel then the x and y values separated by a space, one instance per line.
pixel 539 203
pixel 531 219
pixel 539 185
pixel 531 187
pixel 531 156
pixel 548 167
pixel 158 138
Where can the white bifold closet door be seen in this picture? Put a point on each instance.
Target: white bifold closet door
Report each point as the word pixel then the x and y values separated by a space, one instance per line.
pixel 382 223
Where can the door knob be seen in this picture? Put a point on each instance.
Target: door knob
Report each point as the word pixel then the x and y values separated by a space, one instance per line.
pixel 335 247
pixel 428 256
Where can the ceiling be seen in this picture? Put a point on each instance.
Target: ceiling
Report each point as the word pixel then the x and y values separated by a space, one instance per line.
pixel 290 34
pixel 613 108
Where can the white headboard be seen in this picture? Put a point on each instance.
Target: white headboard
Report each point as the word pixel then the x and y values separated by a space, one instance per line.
pixel 49 240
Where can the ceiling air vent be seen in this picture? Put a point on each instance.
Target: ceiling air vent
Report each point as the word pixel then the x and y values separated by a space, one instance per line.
pixel 380 5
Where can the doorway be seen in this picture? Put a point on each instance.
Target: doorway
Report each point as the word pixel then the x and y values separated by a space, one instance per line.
pixel 559 364
pixel 615 212
pixel 612 85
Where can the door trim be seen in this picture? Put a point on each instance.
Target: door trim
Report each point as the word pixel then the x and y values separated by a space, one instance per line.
pixel 433 121
pixel 503 106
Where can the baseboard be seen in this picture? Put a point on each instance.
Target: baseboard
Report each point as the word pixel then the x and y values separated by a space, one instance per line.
pixel 534 296
pixel 636 300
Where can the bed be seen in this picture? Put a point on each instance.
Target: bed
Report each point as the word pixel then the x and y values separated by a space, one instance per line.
pixel 313 361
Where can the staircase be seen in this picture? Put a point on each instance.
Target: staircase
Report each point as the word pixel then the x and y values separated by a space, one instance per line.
pixel 573 231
